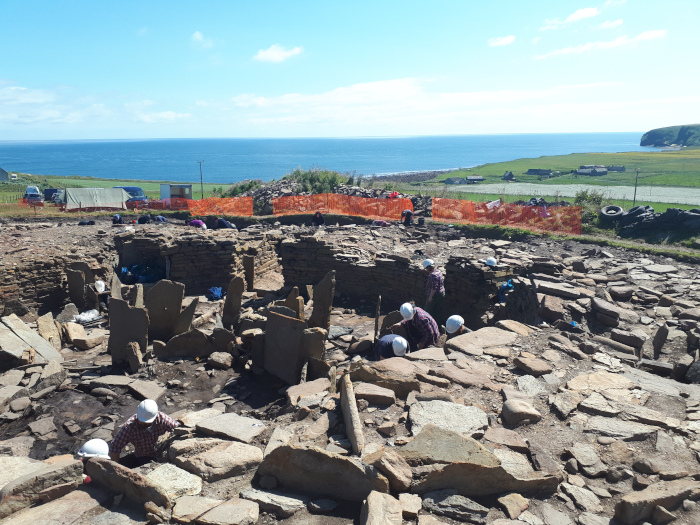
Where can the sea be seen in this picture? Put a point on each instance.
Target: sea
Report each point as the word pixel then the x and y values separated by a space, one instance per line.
pixel 227 161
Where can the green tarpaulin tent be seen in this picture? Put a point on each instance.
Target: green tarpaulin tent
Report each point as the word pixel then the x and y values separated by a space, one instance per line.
pixel 82 198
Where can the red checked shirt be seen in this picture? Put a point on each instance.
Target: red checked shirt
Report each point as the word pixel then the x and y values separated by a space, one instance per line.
pixel 143 438
pixel 435 283
pixel 422 328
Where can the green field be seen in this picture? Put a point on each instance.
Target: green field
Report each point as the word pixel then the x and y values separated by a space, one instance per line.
pixel 662 168
pixel 10 192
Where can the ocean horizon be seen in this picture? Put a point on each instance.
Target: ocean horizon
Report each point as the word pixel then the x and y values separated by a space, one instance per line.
pixel 228 161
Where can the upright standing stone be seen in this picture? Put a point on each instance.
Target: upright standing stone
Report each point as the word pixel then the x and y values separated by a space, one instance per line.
pixel 284 353
pixel 45 352
pixel 137 299
pixel 115 287
pixel 249 271
pixel 76 287
pixel 184 320
pixel 84 267
pixel 381 509
pixel 232 305
pixel 323 302
pixel 47 329
pixel 164 302
pixel 126 324
pixel 351 416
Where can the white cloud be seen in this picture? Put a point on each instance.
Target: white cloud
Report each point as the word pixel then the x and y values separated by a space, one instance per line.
pixel 611 24
pixel 576 16
pixel 621 41
pixel 17 95
pixel 200 41
pixel 277 53
pixel 536 39
pixel 582 14
pixel 501 40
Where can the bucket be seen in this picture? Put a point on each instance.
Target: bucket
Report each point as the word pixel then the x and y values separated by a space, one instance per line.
pixel 421 221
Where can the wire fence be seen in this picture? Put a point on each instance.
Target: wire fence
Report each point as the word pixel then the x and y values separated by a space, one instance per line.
pixel 559 219
pixel 333 203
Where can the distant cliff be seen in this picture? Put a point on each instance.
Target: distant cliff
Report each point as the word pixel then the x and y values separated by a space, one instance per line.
pixel 673 135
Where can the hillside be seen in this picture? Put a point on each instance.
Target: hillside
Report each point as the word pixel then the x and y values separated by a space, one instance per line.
pixel 673 135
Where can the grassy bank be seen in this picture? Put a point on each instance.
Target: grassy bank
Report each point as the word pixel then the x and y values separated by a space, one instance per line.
pixel 662 168
pixel 9 192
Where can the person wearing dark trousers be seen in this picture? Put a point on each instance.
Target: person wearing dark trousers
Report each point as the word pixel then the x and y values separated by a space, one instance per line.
pixel 390 345
pixel 434 289
pixel 407 217
pixel 317 219
pixel 421 329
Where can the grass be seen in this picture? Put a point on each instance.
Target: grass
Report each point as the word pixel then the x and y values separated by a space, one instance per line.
pixel 659 207
pixel 663 168
pixel 10 192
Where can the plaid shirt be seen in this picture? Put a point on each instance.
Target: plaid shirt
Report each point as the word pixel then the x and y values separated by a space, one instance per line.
pixel 422 328
pixel 144 439
pixel 435 283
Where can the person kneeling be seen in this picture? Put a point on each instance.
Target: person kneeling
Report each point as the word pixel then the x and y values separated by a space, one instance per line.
pixel 141 430
pixel 391 345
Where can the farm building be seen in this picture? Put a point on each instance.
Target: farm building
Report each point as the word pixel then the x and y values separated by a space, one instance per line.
pixel 592 172
pixel 4 176
pixel 616 168
pixel 455 180
pixel 474 179
pixel 508 175
pixel 538 171
pixel 591 167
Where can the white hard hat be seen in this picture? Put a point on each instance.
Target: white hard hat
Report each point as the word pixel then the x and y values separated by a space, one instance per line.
pixel 454 323
pixel 407 311
pixel 147 411
pixel 400 345
pixel 491 261
pixel 428 262
pixel 95 448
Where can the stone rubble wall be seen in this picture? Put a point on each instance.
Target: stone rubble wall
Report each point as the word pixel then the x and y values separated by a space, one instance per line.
pixel 199 261
pixel 39 284
pixel 470 288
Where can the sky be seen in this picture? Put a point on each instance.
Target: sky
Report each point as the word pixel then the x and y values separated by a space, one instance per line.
pixel 174 69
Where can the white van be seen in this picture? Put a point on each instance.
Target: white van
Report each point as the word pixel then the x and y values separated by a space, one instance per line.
pixel 13 176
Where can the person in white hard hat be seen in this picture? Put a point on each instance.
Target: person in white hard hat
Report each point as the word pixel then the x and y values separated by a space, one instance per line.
pixel 455 326
pixel 434 288
pixel 421 329
pixel 390 345
pixel 142 430
pixel 95 448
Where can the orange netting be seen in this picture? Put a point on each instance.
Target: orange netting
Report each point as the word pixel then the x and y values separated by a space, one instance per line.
pixel 26 203
pixel 559 219
pixel 173 203
pixel 238 206
pixel 333 203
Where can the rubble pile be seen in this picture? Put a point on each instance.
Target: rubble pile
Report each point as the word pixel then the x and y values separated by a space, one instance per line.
pixel 576 398
pixel 641 221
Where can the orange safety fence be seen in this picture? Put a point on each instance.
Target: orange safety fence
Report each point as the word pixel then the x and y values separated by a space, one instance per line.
pixel 27 203
pixel 558 219
pixel 238 206
pixel 173 203
pixel 333 203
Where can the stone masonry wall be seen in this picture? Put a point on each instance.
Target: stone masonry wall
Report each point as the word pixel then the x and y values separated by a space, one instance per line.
pixel 199 260
pixel 470 288
pixel 38 285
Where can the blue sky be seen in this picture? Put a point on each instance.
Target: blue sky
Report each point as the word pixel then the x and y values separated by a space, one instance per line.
pixel 153 69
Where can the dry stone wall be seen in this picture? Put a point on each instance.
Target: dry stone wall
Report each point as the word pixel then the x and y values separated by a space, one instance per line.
pixel 40 284
pixel 471 289
pixel 199 260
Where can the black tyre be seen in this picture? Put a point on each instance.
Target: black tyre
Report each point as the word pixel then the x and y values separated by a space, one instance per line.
pixel 610 214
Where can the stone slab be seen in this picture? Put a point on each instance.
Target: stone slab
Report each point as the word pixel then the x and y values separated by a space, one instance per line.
pixel 232 426
pixel 468 420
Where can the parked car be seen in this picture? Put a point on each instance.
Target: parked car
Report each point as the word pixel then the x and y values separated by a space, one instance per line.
pixel 32 194
pixel 138 197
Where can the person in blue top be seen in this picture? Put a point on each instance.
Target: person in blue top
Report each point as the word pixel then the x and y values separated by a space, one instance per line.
pixel 391 345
